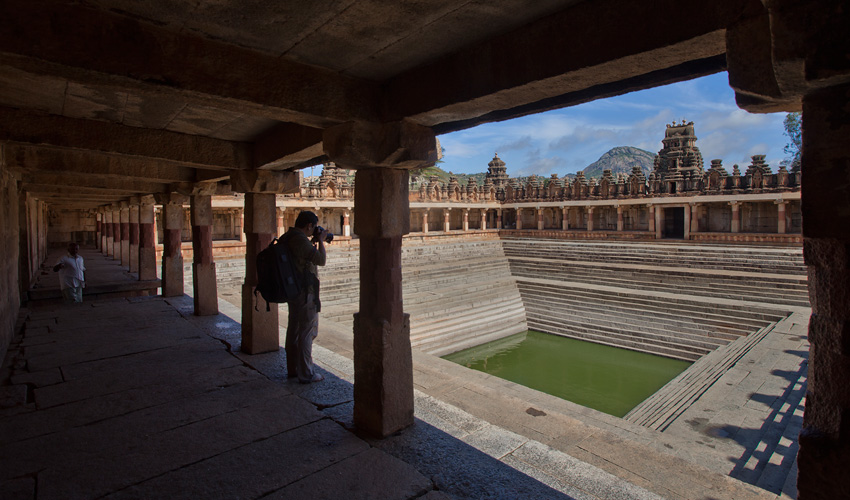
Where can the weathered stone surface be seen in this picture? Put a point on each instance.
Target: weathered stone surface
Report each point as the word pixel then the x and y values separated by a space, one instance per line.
pixel 403 144
pixel 264 181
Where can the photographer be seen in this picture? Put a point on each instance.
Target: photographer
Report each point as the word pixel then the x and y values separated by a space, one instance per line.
pixel 306 242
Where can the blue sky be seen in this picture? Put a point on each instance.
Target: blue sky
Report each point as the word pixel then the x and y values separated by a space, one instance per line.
pixel 567 140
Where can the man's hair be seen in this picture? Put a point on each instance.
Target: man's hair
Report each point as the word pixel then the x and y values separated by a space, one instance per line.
pixel 305 218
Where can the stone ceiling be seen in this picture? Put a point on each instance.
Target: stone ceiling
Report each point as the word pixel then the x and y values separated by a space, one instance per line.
pixel 120 97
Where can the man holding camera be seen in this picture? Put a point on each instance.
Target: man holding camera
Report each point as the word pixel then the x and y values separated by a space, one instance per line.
pixel 306 242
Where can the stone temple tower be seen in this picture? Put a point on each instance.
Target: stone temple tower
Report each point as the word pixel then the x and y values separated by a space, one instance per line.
pixel 496 172
pixel 679 154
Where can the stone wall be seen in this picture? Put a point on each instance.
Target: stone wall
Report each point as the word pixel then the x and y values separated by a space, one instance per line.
pixel 9 253
pixel 65 226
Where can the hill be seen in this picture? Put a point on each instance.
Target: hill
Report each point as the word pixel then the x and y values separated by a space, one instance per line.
pixel 621 160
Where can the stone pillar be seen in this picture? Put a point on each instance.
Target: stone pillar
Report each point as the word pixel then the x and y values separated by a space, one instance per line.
pixel 242 235
pixel 383 365
pixel 483 219
pixel 695 217
pixel 125 234
pixel 134 234
pixel 116 234
pixel 346 221
pixel 590 218
pixel 519 218
pixel 172 231
pixel 425 221
pixel 447 222
pixel 619 217
pixel 147 239
pixel 825 437
pixel 466 219
pixel 651 218
pixel 203 266
pixel 260 329
pixel 659 222
pixel 781 224
pixel 499 219
pixel 565 218
pixel 110 237
pixel 736 216
pixel 281 220
pixel 98 230
pixel 540 223
pixel 688 222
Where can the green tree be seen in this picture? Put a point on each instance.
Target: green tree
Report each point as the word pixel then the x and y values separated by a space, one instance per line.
pixel 794 131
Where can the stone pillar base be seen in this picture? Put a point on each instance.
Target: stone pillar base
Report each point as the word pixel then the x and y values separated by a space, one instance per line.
pixel 204 288
pixel 386 364
pixel 172 276
pixel 259 327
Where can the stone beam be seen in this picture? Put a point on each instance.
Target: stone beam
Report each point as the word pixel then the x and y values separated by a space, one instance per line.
pixel 287 145
pixel 265 181
pixel 58 38
pixel 775 58
pixel 56 160
pixel 41 128
pixel 403 145
pixel 590 45
pixel 92 183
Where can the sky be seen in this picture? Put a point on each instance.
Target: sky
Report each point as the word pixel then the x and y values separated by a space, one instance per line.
pixel 567 140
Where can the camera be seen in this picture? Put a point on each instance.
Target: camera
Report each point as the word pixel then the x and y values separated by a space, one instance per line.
pixel 318 231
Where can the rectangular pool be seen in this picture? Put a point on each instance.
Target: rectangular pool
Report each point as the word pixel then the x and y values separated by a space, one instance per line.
pixel 605 378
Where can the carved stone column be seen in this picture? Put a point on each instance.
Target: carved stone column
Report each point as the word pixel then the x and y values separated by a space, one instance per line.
pixel 687 222
pixel 346 221
pixel 695 217
pixel 204 288
pixel 447 220
pixel 147 239
pixel 540 223
pixel 651 217
pixel 281 220
pixel 590 218
pixel 825 438
pixel 483 219
pixel 499 219
pixel 781 225
pixel 116 233
pixel 383 365
pixel 98 230
pixel 425 221
pixel 466 219
pixel 172 232
pixel 659 222
pixel 736 216
pixel 108 237
pixel 125 234
pixel 259 327
pixel 134 234
pixel 519 218
pixel 619 217
pixel 565 218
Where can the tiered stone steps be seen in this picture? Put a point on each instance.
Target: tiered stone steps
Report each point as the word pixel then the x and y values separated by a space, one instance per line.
pixel 676 328
pixel 773 260
pixel 665 405
pixel 458 293
pixel 747 286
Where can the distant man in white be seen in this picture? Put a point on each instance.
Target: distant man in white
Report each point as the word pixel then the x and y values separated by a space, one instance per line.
pixel 72 276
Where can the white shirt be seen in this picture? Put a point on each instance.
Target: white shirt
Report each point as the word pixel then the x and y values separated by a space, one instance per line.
pixel 71 275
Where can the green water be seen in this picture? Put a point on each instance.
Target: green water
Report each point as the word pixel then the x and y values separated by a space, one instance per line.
pixel 605 378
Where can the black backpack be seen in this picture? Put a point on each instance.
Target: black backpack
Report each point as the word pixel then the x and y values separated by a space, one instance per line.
pixel 278 280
